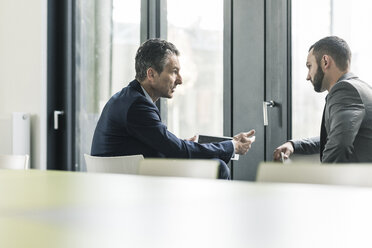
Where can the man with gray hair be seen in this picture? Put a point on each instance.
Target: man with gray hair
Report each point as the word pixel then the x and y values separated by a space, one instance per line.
pixel 130 121
pixel 346 130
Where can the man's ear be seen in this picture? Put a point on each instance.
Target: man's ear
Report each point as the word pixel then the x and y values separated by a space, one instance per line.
pixel 150 73
pixel 326 61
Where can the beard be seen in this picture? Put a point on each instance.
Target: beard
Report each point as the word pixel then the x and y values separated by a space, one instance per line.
pixel 318 79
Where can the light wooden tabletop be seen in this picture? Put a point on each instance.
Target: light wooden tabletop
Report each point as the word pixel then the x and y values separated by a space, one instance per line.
pixel 71 209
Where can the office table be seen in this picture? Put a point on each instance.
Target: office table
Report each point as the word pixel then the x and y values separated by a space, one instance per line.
pixel 75 209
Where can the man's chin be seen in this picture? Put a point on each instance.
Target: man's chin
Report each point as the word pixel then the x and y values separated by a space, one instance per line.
pixel 170 95
pixel 320 91
pixel 318 88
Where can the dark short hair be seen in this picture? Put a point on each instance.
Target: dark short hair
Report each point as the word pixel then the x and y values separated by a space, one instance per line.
pixel 153 53
pixel 335 47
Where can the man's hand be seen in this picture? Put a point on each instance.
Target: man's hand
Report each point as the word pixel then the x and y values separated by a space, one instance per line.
pixel 287 149
pixel 243 142
pixel 193 139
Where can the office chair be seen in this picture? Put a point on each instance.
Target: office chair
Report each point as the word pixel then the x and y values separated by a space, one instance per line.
pixel 333 174
pixel 197 168
pixel 15 162
pixel 119 164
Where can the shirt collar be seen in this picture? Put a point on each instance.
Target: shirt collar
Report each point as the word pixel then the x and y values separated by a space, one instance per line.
pixel 346 76
pixel 147 94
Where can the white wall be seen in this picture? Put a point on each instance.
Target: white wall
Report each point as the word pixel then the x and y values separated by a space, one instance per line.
pixel 22 66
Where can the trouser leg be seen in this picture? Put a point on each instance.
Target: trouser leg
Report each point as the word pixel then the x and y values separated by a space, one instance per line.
pixel 224 170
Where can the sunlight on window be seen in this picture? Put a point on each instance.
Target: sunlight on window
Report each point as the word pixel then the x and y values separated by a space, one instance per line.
pixel 311 21
pixel 126 40
pixel 108 35
pixel 197 106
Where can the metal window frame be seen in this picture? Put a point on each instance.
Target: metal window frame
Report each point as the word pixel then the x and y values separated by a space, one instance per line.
pixel 60 84
pixel 61 58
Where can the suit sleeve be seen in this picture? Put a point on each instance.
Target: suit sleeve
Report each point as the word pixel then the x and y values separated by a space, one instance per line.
pixel 306 146
pixel 346 111
pixel 144 123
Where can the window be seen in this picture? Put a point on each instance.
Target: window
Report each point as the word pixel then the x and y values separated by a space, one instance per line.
pixel 311 21
pixel 197 105
pixel 107 38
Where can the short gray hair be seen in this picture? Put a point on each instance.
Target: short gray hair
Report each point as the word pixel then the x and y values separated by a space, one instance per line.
pixel 153 53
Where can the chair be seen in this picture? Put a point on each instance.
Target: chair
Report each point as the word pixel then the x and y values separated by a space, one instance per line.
pixel 15 162
pixel 197 168
pixel 118 164
pixel 333 174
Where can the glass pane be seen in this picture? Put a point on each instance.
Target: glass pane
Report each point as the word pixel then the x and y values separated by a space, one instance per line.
pixel 107 37
pixel 196 28
pixel 311 21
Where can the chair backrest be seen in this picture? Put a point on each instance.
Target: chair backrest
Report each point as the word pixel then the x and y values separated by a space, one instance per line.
pixel 335 174
pixel 199 168
pixel 16 162
pixel 119 164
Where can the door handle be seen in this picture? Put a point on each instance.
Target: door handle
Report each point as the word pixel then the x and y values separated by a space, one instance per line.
pixel 56 114
pixel 265 105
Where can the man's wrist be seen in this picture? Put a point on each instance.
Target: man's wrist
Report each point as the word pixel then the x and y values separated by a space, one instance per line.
pixel 233 143
pixel 293 145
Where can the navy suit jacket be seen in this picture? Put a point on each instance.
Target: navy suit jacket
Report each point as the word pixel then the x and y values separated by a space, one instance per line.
pixel 130 124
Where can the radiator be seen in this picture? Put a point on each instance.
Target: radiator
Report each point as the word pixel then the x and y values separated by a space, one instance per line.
pixel 15 135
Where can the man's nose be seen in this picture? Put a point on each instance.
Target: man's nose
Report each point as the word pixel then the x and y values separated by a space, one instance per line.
pixel 308 77
pixel 179 79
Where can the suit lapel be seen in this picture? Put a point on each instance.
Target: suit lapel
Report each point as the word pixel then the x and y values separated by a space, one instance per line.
pixel 325 118
pixel 323 134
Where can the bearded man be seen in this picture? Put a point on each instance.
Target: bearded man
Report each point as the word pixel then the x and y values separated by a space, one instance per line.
pixel 346 130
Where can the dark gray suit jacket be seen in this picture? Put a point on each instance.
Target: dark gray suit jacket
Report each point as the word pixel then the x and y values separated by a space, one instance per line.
pixel 347 124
